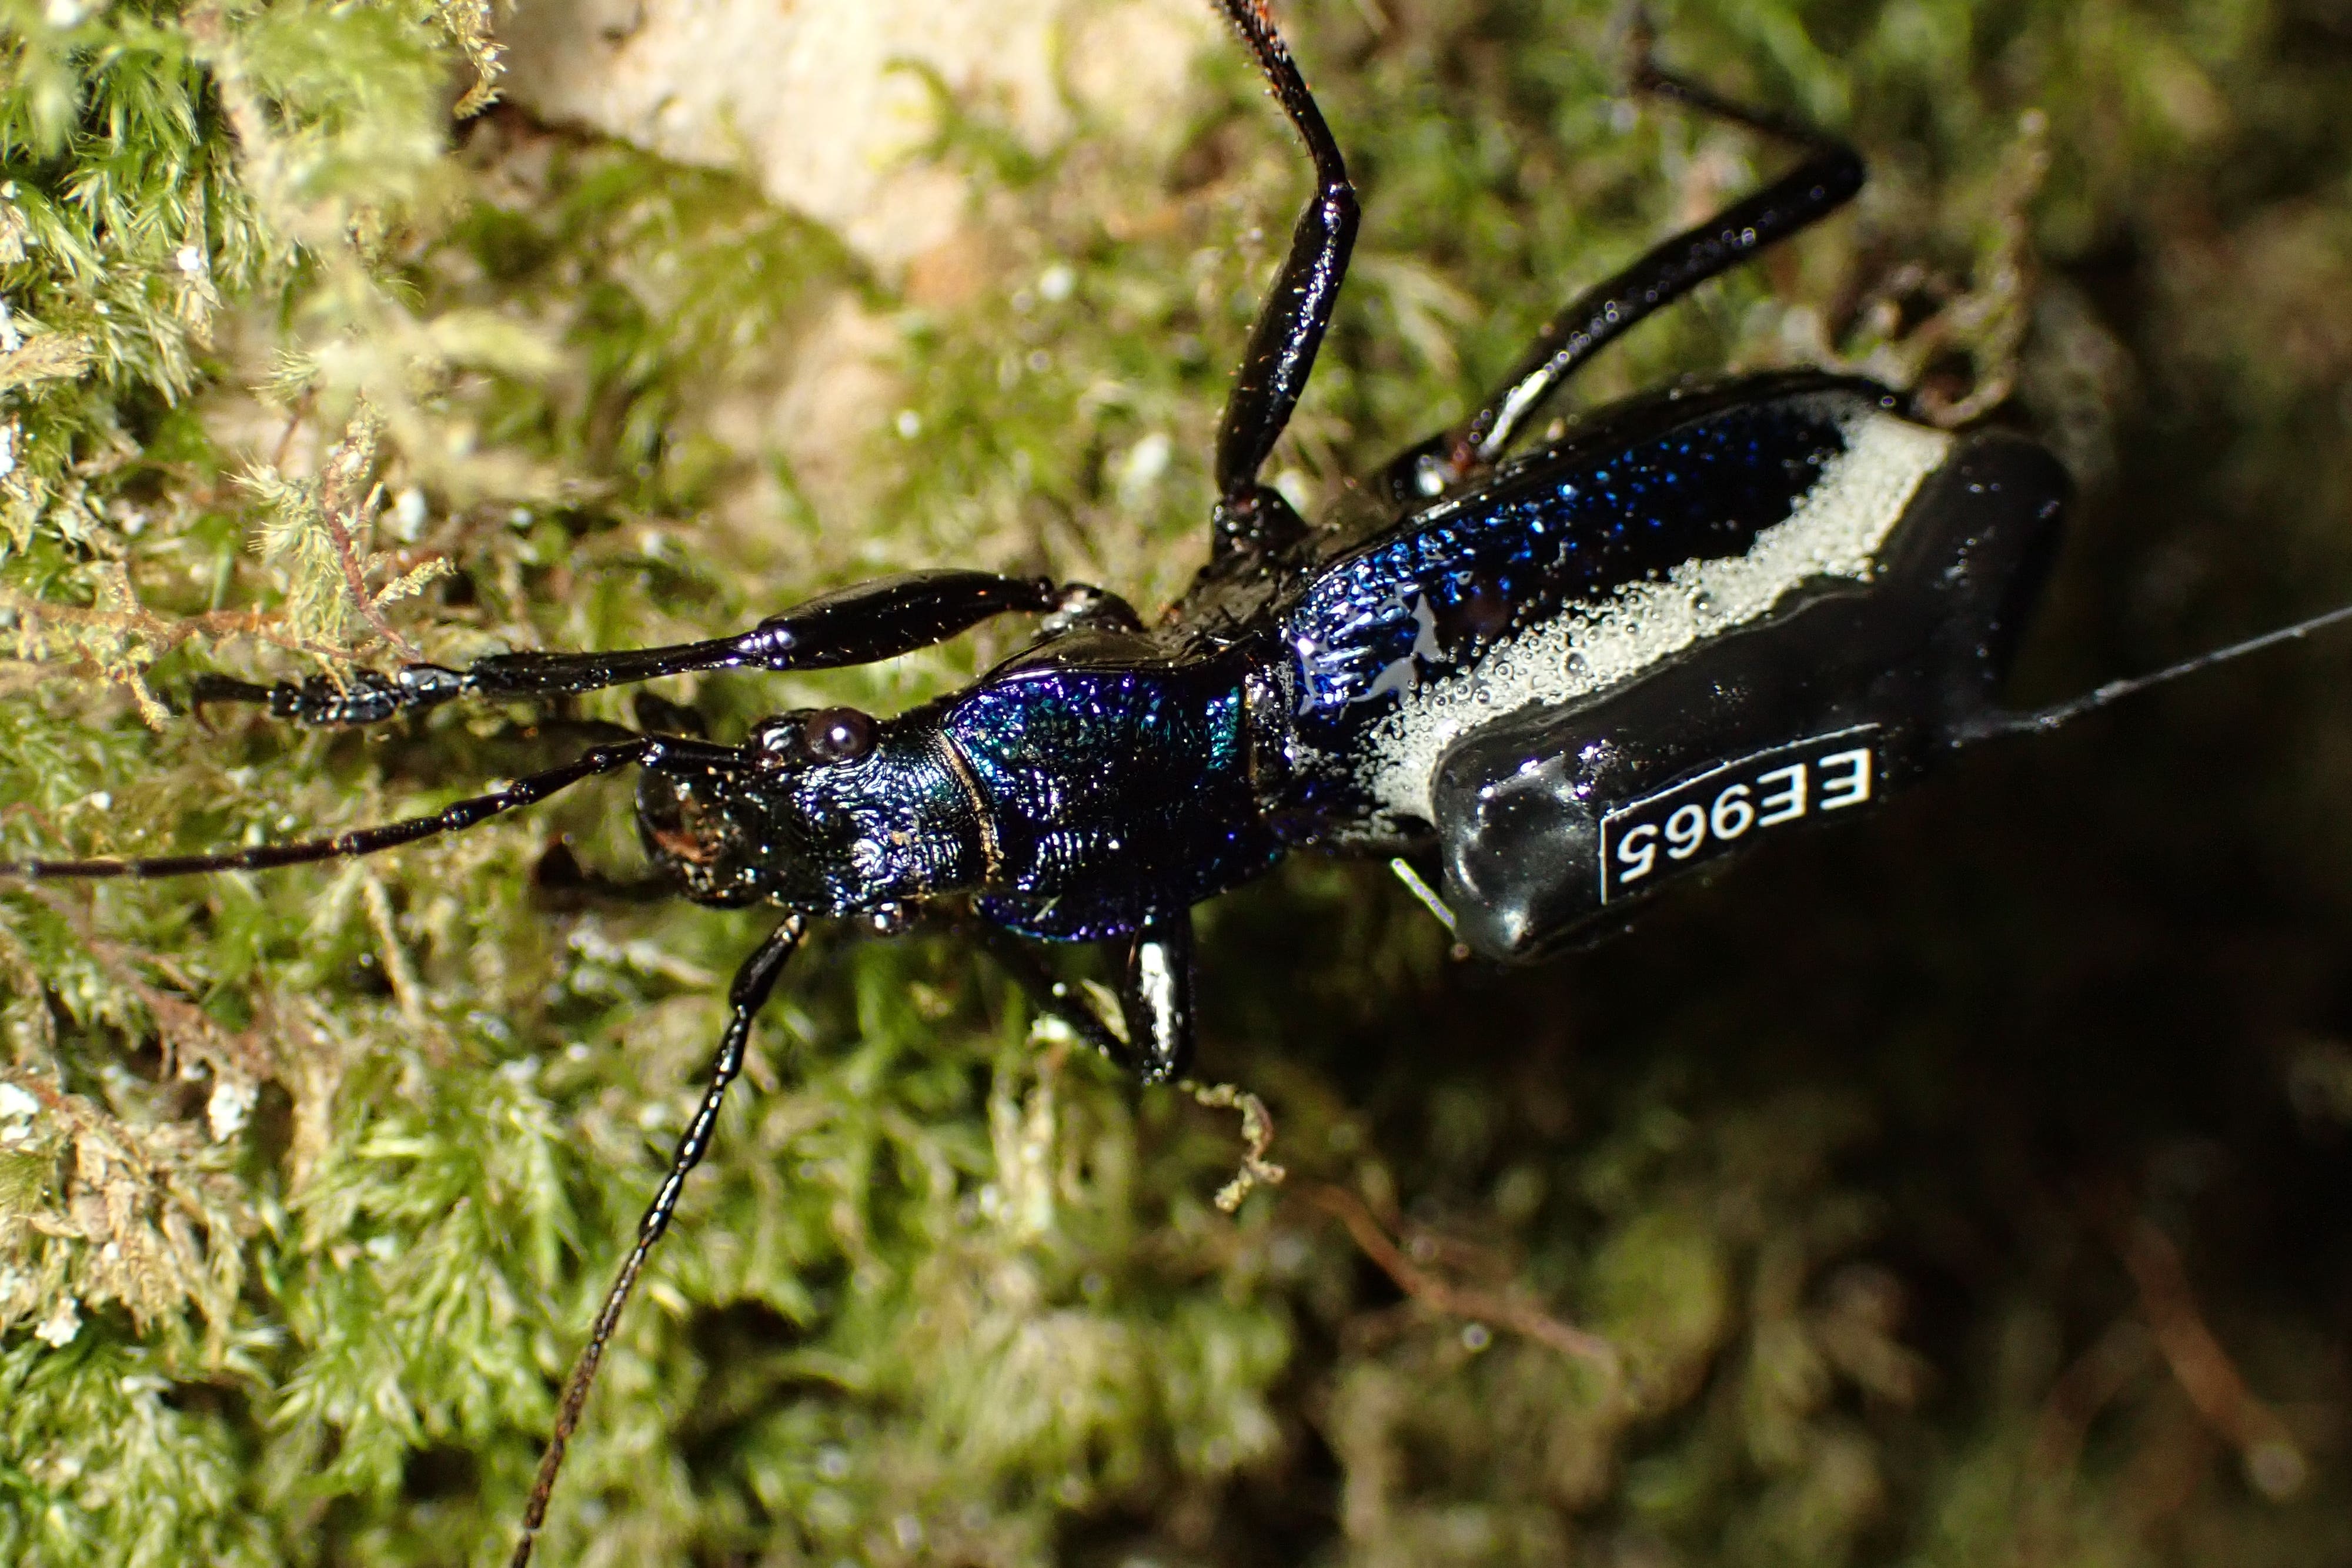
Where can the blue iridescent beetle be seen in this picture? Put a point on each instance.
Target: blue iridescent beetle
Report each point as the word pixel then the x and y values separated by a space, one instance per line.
pixel 1552 682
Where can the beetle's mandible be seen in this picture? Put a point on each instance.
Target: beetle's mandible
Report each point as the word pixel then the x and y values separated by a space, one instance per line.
pixel 1547 679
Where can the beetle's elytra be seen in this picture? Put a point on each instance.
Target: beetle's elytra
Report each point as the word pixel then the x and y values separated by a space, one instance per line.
pixel 1554 676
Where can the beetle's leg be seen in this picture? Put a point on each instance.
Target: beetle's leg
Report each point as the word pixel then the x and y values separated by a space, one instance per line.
pixel 858 625
pixel 1156 994
pixel 1055 997
pixel 1092 609
pixel 1827 179
pixel 753 982
pixel 1290 324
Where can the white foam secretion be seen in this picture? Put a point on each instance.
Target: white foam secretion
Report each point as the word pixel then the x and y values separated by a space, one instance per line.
pixel 1835 530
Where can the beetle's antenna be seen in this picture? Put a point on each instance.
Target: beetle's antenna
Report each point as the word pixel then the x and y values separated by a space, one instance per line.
pixel 753 981
pixel 2040 721
pixel 453 818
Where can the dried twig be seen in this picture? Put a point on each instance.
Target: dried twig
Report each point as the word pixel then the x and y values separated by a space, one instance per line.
pixel 294 421
pixel 181 1025
pixel 120 640
pixel 2081 1392
pixel 1456 1301
pixel 2274 1461
pixel 343 499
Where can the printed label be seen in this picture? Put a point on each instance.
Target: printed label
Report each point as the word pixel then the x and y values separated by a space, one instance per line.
pixel 1707 814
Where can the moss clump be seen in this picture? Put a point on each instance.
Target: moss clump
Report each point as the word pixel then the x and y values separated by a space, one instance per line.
pixel 1960 1191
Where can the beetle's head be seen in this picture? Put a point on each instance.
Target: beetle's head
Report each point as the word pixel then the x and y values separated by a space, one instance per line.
pixel 824 810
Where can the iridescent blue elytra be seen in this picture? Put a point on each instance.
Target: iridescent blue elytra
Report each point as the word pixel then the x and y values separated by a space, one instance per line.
pixel 1569 524
pixel 1558 534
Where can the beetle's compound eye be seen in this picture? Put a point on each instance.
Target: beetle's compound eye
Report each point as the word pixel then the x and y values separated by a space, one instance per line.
pixel 808 737
pixel 836 735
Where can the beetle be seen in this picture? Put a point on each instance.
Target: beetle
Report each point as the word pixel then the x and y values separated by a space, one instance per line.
pixel 1549 682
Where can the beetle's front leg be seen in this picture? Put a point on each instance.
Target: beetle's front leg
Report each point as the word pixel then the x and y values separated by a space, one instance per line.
pixel 1155 992
pixel 858 625
pixel 1087 609
pixel 1055 997
pixel 1155 995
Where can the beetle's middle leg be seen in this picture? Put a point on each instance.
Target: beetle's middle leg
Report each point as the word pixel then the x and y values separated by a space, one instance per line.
pixel 1828 178
pixel 1155 992
pixel 857 625
pixel 1054 997
pixel 1155 995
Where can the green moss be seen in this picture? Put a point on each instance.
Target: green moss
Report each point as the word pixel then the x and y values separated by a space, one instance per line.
pixel 323 1172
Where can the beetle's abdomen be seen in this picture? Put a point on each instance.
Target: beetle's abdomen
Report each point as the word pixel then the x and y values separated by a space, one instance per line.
pixel 1586 566
pixel 1108 793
